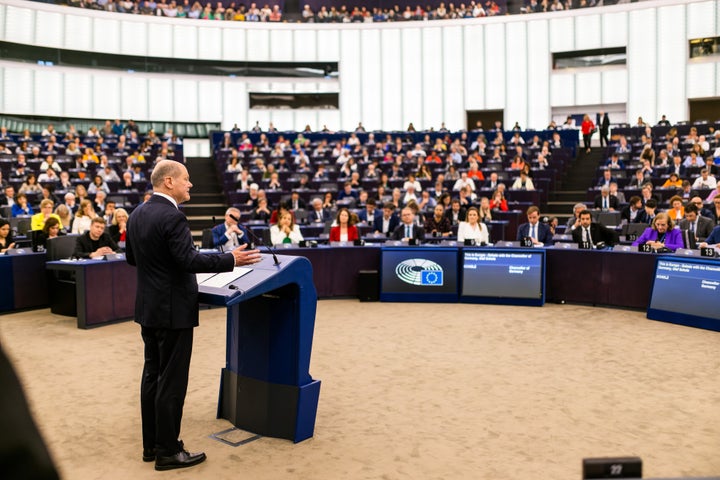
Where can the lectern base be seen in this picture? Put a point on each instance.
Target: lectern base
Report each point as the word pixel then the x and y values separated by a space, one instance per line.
pixel 269 409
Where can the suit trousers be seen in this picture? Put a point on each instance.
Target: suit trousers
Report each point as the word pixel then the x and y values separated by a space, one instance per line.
pixel 163 387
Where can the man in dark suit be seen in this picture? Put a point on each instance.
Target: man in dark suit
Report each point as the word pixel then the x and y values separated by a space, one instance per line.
pixel 318 214
pixel 95 242
pixel 160 245
pixel 370 215
pixel 408 230
pixel 605 201
pixel 701 227
pixel 593 233
pixel 539 232
pixel 296 203
pixel 229 235
pixel 388 221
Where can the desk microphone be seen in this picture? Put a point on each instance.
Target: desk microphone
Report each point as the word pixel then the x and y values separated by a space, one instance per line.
pixel 257 240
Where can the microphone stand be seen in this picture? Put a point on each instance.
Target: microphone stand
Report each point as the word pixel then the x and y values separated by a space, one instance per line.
pixel 258 240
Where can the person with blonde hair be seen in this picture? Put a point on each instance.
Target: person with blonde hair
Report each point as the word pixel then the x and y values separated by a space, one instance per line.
pixel 118 226
pixel 37 221
pixel 286 231
pixel 83 217
pixel 65 215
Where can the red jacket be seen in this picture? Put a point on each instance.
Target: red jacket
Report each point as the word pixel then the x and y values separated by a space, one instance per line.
pixel 351 231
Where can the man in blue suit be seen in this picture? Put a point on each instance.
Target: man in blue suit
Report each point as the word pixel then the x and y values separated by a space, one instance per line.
pixel 388 221
pixel 159 244
pixel 229 235
pixel 536 230
pixel 318 214
pixel 370 215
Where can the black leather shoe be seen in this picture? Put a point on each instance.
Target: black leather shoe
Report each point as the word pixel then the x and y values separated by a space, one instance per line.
pixel 148 455
pixel 182 459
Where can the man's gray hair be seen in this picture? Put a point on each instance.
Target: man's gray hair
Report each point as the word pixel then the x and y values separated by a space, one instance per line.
pixel 232 211
pixel 164 168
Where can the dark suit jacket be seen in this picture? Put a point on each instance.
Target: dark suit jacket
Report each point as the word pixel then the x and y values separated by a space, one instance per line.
pixel 461 214
pixel 671 169
pixel 84 244
pixel 377 216
pixel 599 233
pixel 418 232
pixel 612 200
pixel 703 228
pixel 394 222
pixel 159 244
pixel 543 234
pixel 219 238
pixel 312 216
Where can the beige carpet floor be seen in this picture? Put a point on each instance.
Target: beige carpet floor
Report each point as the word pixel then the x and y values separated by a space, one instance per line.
pixel 409 391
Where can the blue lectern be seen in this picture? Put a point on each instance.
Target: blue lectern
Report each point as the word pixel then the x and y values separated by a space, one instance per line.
pixel 266 387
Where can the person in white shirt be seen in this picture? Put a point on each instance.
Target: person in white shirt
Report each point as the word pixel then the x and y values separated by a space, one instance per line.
pixel 285 231
pixel 704 181
pixel 523 182
pixel 473 228
pixel 464 181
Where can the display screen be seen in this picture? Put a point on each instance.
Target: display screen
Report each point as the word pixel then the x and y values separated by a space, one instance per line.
pixel 419 274
pixel 505 276
pixel 685 291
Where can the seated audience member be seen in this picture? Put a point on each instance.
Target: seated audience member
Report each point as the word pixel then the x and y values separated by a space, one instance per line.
pixel 538 232
pixel 606 179
pixel 95 242
pixel 705 181
pixel 699 226
pixel 523 182
pixel 464 181
pixel 676 211
pixel 614 162
pixel 673 181
pixel 456 213
pixel 37 221
pixel 296 203
pixel 261 212
pixel 713 240
pixel 345 229
pixel 52 229
pixel 614 192
pixel 118 227
pixel 705 212
pixel 30 185
pixel 595 234
pixel 286 231
pixel 574 221
pixel 408 229
pixel 21 207
pixel 630 213
pixel 605 201
pixel 473 228
pixel 318 214
pixel 66 217
pixel 229 235
pixel 647 215
pixel 484 210
pixel 9 199
pixel 677 167
pixel 438 224
pixel 498 201
pixel 389 220
pixel 370 215
pixel 713 213
pixel 83 217
pixel 6 236
pixel 638 179
pixel 661 234
pixel 492 182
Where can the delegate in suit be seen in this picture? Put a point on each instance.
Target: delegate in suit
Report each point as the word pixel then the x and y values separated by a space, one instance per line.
pixel 159 244
pixel 597 233
pixel 538 231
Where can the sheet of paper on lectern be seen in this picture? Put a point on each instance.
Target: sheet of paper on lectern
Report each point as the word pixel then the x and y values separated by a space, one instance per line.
pixel 221 279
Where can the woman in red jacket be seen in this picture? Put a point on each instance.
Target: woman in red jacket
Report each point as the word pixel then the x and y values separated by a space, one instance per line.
pixel 345 230
pixel 587 127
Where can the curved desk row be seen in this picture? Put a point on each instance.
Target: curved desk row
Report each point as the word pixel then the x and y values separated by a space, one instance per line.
pixel 105 290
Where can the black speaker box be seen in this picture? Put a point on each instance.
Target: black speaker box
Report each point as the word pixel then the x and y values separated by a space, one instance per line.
pixel 368 286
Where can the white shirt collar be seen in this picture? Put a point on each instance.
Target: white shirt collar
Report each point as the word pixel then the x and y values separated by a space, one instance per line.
pixel 168 197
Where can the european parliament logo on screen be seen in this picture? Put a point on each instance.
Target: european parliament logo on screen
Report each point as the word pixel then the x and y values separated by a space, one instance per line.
pixel 419 271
